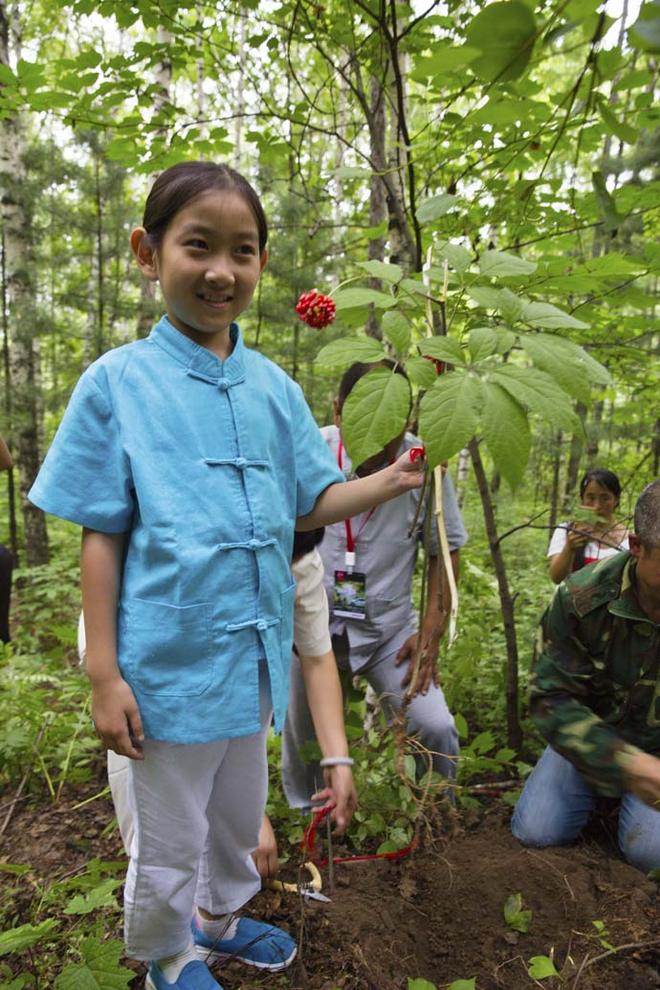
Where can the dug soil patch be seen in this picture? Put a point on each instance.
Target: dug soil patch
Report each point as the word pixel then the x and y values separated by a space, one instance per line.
pixel 437 915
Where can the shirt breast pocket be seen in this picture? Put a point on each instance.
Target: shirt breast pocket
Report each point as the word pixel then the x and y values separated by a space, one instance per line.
pixel 166 649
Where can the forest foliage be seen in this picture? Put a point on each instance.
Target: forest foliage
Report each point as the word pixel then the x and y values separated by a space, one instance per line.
pixel 475 184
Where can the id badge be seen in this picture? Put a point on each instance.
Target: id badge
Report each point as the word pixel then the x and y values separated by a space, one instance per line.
pixel 349 595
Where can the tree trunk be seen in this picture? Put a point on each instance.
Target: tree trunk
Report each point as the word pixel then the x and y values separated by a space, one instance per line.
pixel 377 203
pixel 554 491
pixel 514 732
pixel 11 488
pixel 574 457
pixel 21 295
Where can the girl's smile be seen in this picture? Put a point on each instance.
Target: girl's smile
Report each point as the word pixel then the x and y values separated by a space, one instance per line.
pixel 208 265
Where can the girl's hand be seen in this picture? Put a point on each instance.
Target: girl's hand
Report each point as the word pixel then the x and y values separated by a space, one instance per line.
pixel 408 470
pixel 578 536
pixel 265 855
pixel 340 792
pixel 116 717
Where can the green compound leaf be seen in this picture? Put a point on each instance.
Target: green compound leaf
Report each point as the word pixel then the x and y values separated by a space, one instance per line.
pixel 346 350
pixel 379 269
pixel 498 263
pixel 375 412
pixel 619 128
pixel 540 967
pixel 549 317
pixel 540 393
pixel 506 431
pixel 482 343
pixel 421 372
pixel 17 939
pixel 504 33
pixel 443 349
pixel 100 969
pixel 352 298
pixel 448 415
pixel 605 201
pixel 397 330
pixel 515 915
pixel 568 363
pixel 459 258
pixel 435 207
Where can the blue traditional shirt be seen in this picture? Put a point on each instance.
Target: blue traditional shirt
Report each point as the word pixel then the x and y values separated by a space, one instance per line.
pixel 205 464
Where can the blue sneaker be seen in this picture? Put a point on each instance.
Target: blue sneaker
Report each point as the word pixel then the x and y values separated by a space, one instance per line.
pixel 193 976
pixel 254 943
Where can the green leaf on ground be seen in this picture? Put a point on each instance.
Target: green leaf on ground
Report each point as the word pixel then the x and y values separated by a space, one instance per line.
pixel 505 429
pixel 448 415
pixel 100 969
pixel 101 896
pixel 374 413
pixel 346 350
pixel 515 915
pixel 17 939
pixel 463 984
pixel 540 967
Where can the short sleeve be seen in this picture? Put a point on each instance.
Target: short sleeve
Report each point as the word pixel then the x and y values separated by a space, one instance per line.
pixel 86 475
pixel 558 540
pixel 311 614
pixel 316 469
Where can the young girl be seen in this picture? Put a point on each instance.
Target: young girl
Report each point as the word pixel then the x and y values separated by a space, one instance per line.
pixel 187 459
pixel 574 545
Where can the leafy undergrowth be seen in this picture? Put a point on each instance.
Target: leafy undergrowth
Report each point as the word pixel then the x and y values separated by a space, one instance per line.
pixel 470 909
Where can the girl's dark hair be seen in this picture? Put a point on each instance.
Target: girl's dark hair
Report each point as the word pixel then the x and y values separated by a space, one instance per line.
pixel 177 185
pixel 305 542
pixel 357 371
pixel 608 480
pixel 603 477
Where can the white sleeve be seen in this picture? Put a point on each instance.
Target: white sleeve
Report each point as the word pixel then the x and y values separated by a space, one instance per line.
pixel 310 612
pixel 558 541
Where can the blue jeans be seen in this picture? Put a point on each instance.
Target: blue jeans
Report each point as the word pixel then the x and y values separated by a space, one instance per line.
pixel 557 801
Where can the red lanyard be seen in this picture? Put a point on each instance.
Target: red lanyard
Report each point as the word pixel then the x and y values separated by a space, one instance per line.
pixel 350 539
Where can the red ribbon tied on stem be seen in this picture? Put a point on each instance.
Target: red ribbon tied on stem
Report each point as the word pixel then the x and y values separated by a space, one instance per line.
pixel 315 309
pixel 416 453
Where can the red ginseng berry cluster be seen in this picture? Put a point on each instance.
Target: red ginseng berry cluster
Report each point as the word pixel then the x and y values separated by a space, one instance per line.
pixel 315 309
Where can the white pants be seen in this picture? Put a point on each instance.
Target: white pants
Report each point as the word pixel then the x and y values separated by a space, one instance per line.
pixel 196 811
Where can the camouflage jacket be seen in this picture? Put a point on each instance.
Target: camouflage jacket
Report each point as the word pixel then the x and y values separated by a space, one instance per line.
pixel 595 690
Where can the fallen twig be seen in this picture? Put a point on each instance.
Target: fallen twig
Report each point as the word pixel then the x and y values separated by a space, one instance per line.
pixel 586 962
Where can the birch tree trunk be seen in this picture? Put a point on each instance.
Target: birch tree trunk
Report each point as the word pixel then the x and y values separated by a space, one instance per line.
pixel 147 308
pixel 22 310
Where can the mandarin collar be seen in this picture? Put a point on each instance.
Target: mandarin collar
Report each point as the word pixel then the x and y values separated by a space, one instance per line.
pixel 200 361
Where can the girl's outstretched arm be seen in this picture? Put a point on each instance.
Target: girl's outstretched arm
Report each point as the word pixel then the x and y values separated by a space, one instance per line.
pixel 114 708
pixel 342 501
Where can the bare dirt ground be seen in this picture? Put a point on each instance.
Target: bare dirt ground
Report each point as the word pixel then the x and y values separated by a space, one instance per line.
pixel 437 914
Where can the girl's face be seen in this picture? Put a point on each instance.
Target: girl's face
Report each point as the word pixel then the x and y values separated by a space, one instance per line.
pixel 597 497
pixel 208 265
